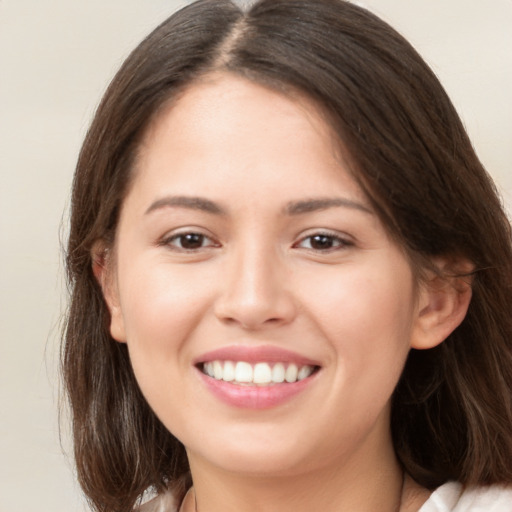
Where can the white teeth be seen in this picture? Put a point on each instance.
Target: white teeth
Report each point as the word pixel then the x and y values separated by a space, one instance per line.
pixel 304 371
pixel 291 373
pixel 243 372
pixel 278 373
pixel 229 371
pixel 208 369
pixel 217 370
pixel 260 374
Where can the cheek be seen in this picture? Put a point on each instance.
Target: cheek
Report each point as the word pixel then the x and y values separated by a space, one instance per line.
pixel 362 302
pixel 160 304
pixel 367 317
pixel 161 309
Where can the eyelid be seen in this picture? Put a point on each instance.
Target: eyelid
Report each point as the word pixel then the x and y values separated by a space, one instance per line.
pixel 343 239
pixel 168 238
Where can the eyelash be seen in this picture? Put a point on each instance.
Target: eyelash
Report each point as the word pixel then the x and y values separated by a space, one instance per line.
pixel 337 242
pixel 334 241
pixel 169 241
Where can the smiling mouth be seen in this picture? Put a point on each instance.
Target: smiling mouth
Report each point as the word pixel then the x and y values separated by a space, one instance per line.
pixel 243 373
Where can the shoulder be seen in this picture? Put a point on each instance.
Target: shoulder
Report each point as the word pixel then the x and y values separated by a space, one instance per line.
pixel 162 503
pixel 452 497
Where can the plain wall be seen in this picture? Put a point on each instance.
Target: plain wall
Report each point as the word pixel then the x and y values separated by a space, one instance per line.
pixel 56 58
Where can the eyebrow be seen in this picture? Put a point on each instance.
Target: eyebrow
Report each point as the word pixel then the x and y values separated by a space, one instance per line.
pixel 318 204
pixel 292 208
pixel 190 202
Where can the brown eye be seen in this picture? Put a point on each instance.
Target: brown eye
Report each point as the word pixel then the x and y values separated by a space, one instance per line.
pixel 323 242
pixel 189 241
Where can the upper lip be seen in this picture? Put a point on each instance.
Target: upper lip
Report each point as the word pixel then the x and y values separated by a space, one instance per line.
pixel 255 354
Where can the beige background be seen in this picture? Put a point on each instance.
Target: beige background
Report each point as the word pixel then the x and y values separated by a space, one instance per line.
pixel 56 57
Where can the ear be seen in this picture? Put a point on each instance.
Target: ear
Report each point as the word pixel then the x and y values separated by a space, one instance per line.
pixel 103 271
pixel 443 302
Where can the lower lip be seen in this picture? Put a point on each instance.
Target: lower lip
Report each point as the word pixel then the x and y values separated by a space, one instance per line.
pixel 255 397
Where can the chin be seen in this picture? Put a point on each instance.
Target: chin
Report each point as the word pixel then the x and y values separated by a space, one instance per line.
pixel 257 464
pixel 262 454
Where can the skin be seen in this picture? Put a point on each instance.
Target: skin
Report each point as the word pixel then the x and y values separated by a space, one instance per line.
pixel 257 277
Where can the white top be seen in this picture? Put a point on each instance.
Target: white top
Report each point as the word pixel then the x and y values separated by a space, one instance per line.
pixel 448 498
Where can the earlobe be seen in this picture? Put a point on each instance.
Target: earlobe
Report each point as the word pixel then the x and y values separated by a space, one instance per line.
pixel 442 306
pixel 102 270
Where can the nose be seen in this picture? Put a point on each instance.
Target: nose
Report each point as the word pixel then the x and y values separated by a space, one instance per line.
pixel 255 291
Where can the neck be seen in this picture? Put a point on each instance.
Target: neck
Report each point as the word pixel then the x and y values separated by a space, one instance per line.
pixel 412 499
pixel 360 486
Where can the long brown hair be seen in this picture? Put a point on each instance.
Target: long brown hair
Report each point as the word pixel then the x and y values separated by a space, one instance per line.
pixel 452 409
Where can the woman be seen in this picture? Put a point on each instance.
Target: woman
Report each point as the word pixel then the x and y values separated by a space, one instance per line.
pixel 291 276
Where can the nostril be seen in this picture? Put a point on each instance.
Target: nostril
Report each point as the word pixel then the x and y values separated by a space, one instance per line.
pixel 253 323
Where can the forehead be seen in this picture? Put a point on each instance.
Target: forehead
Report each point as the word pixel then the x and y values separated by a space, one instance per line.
pixel 222 117
pixel 227 96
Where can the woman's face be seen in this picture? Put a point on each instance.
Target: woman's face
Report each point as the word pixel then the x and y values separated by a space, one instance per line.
pixel 246 250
